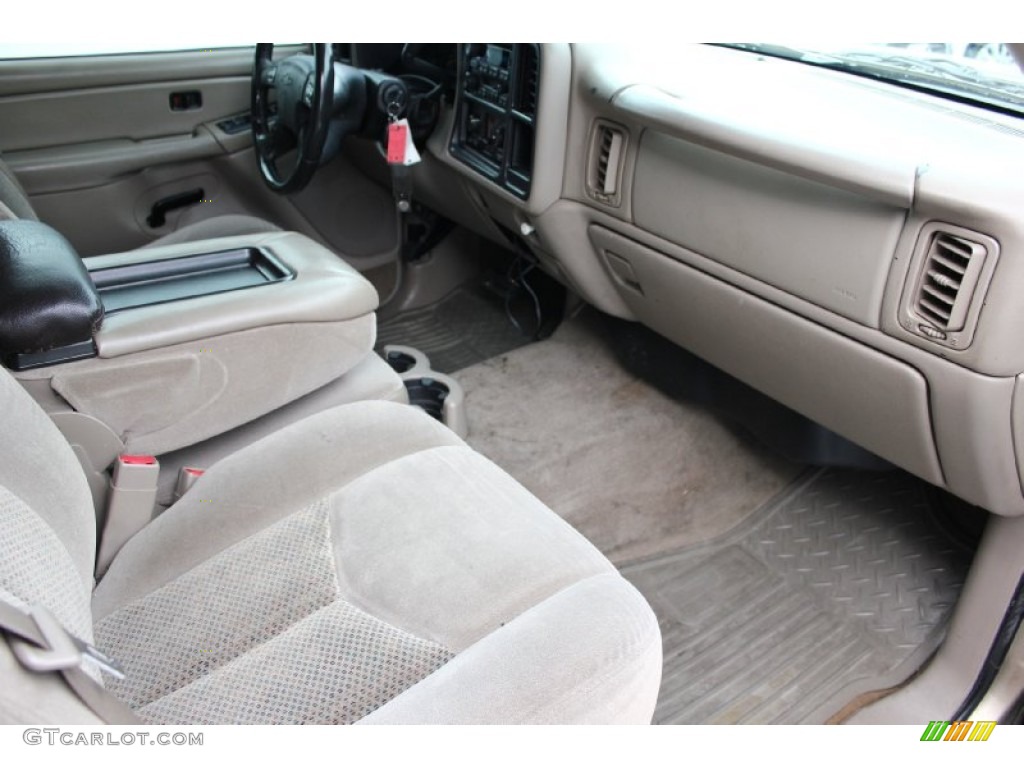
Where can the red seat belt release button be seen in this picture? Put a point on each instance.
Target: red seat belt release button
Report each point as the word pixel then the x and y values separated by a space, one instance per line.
pixel 137 459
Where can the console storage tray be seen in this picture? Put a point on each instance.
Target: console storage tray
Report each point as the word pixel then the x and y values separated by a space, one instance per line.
pixel 185 277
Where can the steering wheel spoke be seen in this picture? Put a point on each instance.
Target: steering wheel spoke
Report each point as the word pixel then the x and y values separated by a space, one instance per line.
pixel 303 91
pixel 277 141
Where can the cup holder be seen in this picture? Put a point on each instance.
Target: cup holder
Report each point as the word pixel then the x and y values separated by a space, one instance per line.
pixel 429 394
pixel 407 361
pixel 439 395
pixel 400 361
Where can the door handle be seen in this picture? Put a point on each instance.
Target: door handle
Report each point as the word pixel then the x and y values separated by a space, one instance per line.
pixel 158 214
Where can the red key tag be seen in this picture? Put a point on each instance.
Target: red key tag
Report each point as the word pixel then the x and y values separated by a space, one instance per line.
pixel 398 133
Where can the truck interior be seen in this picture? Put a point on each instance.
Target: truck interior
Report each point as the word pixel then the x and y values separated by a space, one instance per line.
pixel 513 383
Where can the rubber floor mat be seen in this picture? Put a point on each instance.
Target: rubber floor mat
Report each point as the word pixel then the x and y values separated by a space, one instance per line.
pixel 843 585
pixel 464 328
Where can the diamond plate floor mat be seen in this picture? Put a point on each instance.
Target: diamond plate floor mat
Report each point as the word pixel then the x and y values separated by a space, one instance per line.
pixel 842 585
pixel 466 327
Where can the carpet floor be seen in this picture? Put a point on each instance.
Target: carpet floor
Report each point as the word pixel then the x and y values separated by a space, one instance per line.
pixel 636 472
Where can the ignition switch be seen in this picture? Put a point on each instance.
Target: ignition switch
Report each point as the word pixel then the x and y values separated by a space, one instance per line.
pixel 392 92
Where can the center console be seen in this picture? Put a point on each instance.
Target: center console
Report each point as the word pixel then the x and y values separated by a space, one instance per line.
pixel 169 346
pixel 185 351
pixel 496 112
pixel 146 283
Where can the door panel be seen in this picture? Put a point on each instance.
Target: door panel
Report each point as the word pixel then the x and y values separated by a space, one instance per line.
pixel 112 217
pixel 126 112
pixel 35 76
pixel 95 143
pixel 80 166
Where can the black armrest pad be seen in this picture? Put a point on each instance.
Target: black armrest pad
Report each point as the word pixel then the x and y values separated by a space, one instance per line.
pixel 47 299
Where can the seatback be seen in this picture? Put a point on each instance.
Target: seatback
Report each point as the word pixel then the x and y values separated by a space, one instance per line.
pixel 47 548
pixel 14 203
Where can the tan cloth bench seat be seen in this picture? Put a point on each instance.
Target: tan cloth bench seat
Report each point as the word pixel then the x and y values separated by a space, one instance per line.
pixel 361 565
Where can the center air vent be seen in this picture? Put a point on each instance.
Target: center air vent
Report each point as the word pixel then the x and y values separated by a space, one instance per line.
pixel 953 268
pixel 529 79
pixel 607 152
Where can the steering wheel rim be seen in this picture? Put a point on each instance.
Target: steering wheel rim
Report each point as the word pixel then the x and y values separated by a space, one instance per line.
pixel 303 115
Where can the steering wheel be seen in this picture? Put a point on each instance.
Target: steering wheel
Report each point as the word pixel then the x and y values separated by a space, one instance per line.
pixel 304 86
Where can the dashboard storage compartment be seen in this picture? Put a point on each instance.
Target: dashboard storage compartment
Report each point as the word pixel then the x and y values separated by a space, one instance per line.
pixel 155 282
pixel 827 377
pixel 819 242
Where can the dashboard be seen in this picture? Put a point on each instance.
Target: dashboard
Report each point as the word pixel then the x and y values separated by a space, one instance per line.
pixel 783 222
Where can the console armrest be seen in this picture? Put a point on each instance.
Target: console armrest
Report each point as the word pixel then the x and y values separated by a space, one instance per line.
pixel 49 308
pixel 324 290
pixel 196 363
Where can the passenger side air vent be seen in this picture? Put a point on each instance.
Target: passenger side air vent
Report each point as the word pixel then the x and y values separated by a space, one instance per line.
pixel 953 268
pixel 950 274
pixel 604 169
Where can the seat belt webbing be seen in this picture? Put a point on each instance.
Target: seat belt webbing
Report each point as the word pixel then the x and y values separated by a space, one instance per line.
pixel 43 646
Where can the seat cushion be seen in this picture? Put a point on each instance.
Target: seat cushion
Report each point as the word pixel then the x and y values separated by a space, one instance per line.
pixel 365 563
pixel 47 550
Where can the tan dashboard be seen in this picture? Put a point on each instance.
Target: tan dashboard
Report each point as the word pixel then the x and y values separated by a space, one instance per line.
pixel 850 248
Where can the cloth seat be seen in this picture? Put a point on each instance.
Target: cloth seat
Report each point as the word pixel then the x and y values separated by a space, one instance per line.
pixel 361 565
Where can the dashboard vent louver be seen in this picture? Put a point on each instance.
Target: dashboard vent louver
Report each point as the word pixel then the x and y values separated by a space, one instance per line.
pixel 951 272
pixel 607 152
pixel 529 79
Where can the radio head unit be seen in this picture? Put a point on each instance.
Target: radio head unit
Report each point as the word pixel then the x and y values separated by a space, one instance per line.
pixel 496 112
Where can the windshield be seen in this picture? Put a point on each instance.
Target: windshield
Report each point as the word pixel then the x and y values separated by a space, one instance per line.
pixel 981 72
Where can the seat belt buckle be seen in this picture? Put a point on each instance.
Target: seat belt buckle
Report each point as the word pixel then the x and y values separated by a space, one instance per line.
pixel 59 649
pixel 187 477
pixel 132 499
